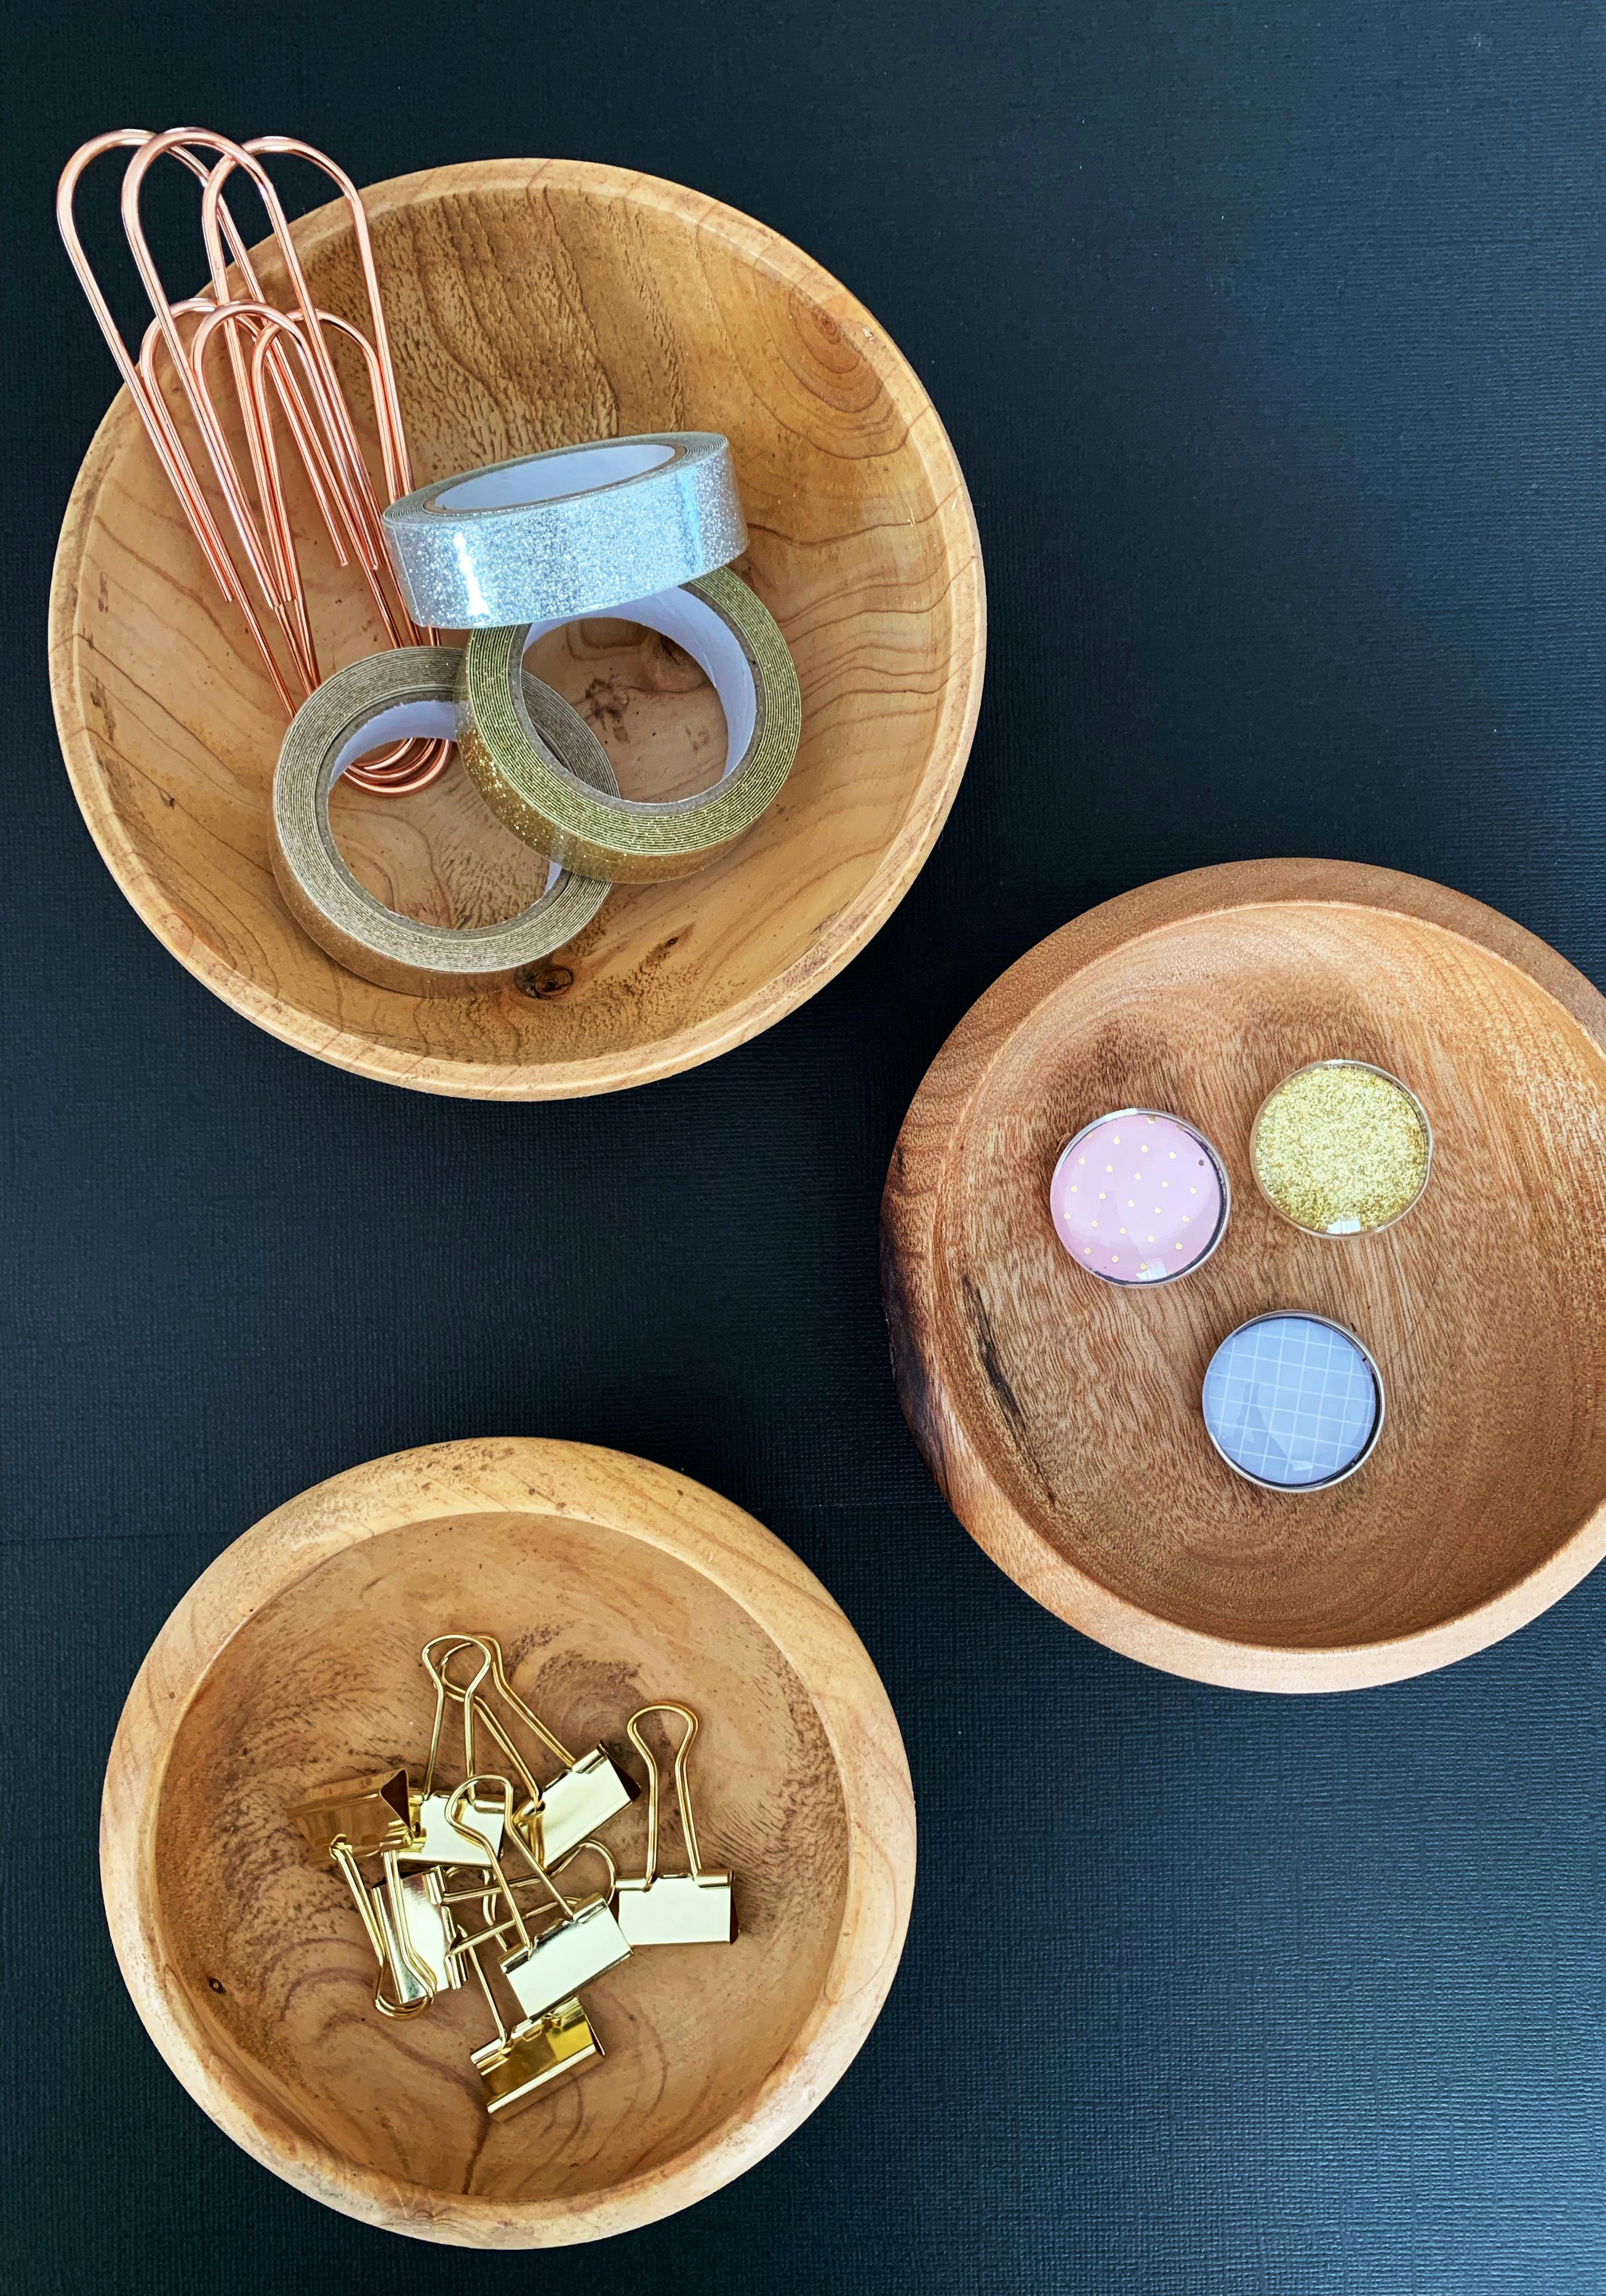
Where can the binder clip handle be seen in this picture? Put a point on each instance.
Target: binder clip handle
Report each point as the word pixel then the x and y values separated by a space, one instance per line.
pixel 443 1689
pixel 504 1792
pixel 683 1792
pixel 485 1897
pixel 598 1849
pixel 526 1714
pixel 343 1858
pixel 461 1802
pixel 476 1711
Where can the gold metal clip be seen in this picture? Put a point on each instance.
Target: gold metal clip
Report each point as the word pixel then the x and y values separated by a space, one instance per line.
pixel 419 1932
pixel 369 1814
pixel 542 1971
pixel 558 1817
pixel 692 1908
pixel 515 2065
pixel 393 1950
pixel 440 1842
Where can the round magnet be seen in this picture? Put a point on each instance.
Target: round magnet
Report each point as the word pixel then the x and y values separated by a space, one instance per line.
pixel 1341 1148
pixel 1139 1197
pixel 1293 1402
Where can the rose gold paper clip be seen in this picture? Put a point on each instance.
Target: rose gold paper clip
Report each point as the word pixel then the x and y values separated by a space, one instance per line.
pixel 276 357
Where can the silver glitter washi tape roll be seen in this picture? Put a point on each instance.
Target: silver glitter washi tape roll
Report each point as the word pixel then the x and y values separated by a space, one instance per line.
pixel 574 531
pixel 413 690
pixel 528 786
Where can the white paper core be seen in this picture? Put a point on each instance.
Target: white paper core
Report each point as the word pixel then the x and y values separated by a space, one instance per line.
pixel 710 640
pixel 432 720
pixel 580 471
pixel 435 721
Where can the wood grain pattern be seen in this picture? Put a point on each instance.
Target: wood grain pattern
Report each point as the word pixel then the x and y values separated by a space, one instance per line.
pixel 533 304
pixel 1061 1416
pixel 294 1660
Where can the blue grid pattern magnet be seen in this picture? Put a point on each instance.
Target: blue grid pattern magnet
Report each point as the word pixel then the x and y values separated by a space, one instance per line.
pixel 1292 1401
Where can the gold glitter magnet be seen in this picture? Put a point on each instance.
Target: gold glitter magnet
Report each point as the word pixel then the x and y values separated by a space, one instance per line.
pixel 1341 1148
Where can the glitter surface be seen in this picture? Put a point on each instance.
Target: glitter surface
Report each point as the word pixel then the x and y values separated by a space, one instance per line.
pixel 1137 1198
pixel 532 793
pixel 1341 1148
pixel 345 920
pixel 484 565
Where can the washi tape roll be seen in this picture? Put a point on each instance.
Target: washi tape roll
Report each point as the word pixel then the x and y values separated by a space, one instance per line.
pixel 413 690
pixel 575 531
pixel 529 785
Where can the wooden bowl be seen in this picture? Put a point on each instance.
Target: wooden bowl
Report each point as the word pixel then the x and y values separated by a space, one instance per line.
pixel 531 303
pixel 293 1662
pixel 1061 1415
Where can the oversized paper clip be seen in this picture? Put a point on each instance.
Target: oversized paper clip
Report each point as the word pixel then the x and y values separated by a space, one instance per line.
pixel 514 2066
pixel 371 1813
pixel 541 1971
pixel 560 1815
pixel 392 1948
pixel 437 1841
pixel 695 1907
pixel 314 406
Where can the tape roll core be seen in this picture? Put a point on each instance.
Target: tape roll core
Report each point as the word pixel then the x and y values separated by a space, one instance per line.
pixel 737 643
pixel 413 689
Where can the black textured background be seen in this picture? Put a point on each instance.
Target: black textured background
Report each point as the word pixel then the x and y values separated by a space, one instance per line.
pixel 1273 341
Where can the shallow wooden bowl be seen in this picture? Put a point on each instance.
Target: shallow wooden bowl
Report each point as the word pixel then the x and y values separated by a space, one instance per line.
pixel 1062 1416
pixel 532 304
pixel 293 1662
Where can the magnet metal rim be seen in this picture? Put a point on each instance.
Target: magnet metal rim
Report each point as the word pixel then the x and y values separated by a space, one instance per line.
pixel 1347 1235
pixel 1165 1115
pixel 1304 1316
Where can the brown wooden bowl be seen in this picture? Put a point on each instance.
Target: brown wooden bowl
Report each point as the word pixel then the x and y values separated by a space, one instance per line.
pixel 1061 1415
pixel 532 304
pixel 293 1662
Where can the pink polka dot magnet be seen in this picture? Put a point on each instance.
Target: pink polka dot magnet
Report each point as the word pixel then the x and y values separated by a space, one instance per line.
pixel 1139 1197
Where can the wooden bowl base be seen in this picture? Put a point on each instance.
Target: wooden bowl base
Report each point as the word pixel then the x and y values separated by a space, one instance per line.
pixel 533 303
pixel 1063 1415
pixel 294 1662
pixel 326 1683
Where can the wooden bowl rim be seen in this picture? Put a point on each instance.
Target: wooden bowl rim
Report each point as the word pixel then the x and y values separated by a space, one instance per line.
pixel 852 927
pixel 524 1475
pixel 940 1112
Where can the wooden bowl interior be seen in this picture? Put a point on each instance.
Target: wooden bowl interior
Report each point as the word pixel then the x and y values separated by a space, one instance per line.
pixel 532 306
pixel 1480 1306
pixel 325 1681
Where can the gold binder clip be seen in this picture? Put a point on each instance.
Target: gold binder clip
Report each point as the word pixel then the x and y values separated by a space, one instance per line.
pixel 690 1908
pixel 558 1816
pixel 515 2065
pixel 484 1893
pixel 369 1814
pixel 440 1842
pixel 542 1970
pixel 419 1932
pixel 393 1948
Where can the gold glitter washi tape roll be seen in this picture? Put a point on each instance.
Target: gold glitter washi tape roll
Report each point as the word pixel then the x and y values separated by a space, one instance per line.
pixel 1341 1148
pixel 413 690
pixel 528 786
